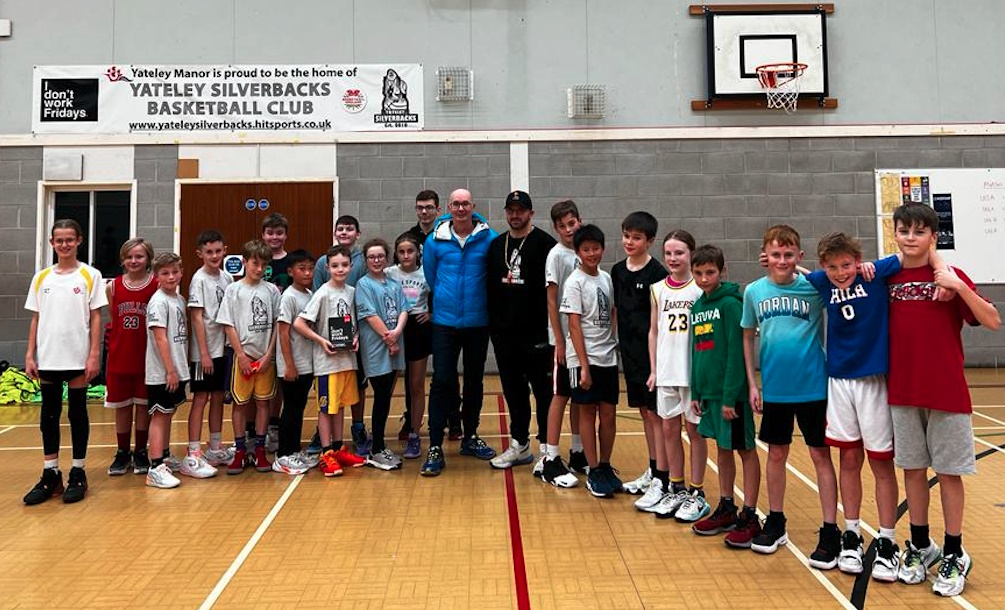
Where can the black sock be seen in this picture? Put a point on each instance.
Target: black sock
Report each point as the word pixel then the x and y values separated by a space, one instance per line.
pixel 831 526
pixel 326 449
pixel 920 536
pixel 663 476
pixel 953 545
pixel 749 511
pixel 697 490
pixel 156 462
pixel 336 445
pixel 274 422
pixel 677 486
pixel 652 467
pixel 776 517
pixel 727 502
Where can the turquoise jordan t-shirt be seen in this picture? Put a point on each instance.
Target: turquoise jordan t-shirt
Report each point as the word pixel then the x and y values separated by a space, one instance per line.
pixel 790 316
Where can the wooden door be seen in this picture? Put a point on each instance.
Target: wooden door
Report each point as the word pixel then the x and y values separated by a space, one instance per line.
pixel 227 207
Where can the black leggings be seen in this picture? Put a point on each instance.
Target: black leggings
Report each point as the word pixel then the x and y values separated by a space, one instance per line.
pixel 52 409
pixel 383 387
pixel 291 421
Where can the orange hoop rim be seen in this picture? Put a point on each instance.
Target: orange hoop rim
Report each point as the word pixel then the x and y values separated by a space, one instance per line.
pixel 790 66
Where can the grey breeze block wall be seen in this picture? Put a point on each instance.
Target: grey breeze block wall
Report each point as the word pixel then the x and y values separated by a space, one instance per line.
pixel 155 169
pixel 20 171
pixel 727 192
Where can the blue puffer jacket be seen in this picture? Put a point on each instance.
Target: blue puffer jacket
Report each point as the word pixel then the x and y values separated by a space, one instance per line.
pixel 456 275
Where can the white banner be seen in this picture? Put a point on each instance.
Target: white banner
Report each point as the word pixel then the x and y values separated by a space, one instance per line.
pixel 145 99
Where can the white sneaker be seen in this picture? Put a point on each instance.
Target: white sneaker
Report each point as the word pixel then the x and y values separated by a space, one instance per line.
pixel 556 473
pixel 272 439
pixel 850 558
pixel 915 562
pixel 539 465
pixel 219 457
pixel 639 485
pixel 694 508
pixel 515 455
pixel 384 460
pixel 886 565
pixel 651 498
pixel 290 464
pixel 952 574
pixel 173 463
pixel 311 460
pixel 197 467
pixel 162 478
pixel 670 504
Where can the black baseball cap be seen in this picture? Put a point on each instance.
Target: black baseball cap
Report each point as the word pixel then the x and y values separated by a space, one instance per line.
pixel 520 197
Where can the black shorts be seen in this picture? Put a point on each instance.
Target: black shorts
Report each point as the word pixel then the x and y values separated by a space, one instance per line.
pixel 777 422
pixel 360 373
pixel 216 382
pixel 560 379
pixel 639 396
pixel 418 339
pixel 59 376
pixel 159 399
pixel 605 388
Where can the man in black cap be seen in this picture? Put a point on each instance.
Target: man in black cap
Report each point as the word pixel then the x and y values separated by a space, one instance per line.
pixel 518 324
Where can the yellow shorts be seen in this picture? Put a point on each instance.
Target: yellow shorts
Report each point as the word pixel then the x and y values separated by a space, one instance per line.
pixel 335 391
pixel 260 386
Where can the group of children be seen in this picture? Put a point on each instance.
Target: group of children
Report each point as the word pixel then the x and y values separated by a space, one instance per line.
pixel 688 354
pixel 875 388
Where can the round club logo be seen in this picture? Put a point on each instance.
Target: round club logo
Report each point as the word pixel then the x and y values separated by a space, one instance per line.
pixel 354 101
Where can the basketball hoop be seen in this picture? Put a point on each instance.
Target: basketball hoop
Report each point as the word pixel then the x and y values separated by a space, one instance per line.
pixel 781 84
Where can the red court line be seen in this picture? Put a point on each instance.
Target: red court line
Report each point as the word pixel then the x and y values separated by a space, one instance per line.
pixel 516 539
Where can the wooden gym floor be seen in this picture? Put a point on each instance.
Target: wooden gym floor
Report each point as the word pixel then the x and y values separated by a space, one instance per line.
pixel 471 538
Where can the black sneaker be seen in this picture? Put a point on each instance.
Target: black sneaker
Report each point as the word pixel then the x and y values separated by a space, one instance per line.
pixel 50 484
pixel 577 462
pixel 772 536
pixel 825 557
pixel 76 486
pixel 121 463
pixel 141 461
pixel 886 565
pixel 611 475
pixel 556 473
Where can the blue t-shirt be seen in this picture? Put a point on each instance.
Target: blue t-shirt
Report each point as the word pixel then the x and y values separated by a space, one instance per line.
pixel 385 300
pixel 857 322
pixel 793 367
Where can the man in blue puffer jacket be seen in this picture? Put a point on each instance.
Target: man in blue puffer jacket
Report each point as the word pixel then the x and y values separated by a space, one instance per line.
pixel 454 261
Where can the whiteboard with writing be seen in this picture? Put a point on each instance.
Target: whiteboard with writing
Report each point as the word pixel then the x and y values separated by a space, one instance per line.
pixel 971 208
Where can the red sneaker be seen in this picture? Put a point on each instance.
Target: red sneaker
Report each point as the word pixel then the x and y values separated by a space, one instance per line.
pixel 348 459
pixel 747 527
pixel 328 464
pixel 722 520
pixel 262 463
pixel 237 464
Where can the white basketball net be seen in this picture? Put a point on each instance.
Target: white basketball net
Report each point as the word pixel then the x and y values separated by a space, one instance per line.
pixel 781 84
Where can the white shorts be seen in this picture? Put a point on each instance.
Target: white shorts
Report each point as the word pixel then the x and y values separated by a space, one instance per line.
pixel 859 416
pixel 674 401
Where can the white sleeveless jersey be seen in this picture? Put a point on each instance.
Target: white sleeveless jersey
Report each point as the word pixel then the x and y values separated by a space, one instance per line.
pixel 673 339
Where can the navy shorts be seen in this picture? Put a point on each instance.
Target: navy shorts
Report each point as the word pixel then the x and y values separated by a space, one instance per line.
pixel 606 386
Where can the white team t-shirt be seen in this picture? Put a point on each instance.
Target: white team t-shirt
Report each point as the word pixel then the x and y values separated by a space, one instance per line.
pixel 414 285
pixel 592 297
pixel 206 291
pixel 559 265
pixel 252 311
pixel 290 305
pixel 63 302
pixel 167 312
pixel 326 302
pixel 673 331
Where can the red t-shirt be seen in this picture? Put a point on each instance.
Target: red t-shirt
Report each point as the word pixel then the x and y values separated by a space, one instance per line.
pixel 926 350
pixel 127 339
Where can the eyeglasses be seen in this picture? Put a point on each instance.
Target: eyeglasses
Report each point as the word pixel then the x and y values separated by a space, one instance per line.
pixel 375 257
pixel 425 208
pixel 462 204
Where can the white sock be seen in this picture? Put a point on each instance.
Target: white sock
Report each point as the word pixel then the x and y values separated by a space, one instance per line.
pixel 77 463
pixel 551 451
pixel 577 443
pixel 53 464
pixel 194 447
pixel 852 525
pixel 888 532
pixel 216 441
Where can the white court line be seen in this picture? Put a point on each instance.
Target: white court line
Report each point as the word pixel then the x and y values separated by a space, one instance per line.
pixel 990 445
pixel 7 429
pixel 250 545
pixel 823 580
pixel 989 418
